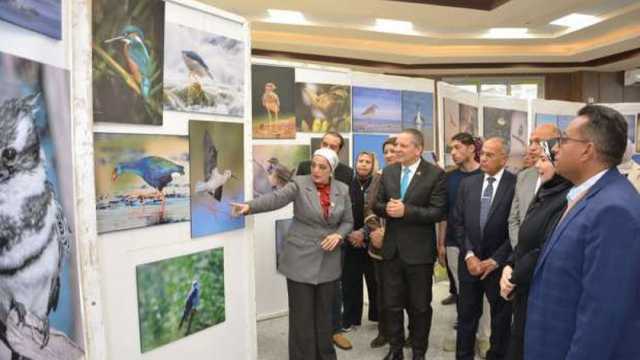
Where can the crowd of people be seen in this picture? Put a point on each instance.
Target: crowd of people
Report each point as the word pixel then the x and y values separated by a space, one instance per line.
pixel 544 262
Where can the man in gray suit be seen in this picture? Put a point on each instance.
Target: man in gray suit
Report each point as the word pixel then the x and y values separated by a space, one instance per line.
pixel 528 180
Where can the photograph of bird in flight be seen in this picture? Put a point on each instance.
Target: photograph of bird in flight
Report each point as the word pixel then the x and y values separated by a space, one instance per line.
pixel 180 296
pixel 217 175
pixel 203 72
pixel 141 180
pixel 128 48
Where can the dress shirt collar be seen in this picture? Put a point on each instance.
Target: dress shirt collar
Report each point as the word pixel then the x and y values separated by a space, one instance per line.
pixel 413 167
pixel 585 186
pixel 497 176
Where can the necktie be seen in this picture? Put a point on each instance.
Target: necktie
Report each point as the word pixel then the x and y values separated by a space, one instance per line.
pixel 485 203
pixel 404 182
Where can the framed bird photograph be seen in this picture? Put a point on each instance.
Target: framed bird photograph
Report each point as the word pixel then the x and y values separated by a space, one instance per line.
pixel 217 176
pixel 322 107
pixel 36 203
pixel 141 180
pixel 272 102
pixel 180 296
pixel 417 113
pixel 128 52
pixel 377 110
pixel 275 165
pixel 458 118
pixel 203 72
pixel 510 125
pixel 42 16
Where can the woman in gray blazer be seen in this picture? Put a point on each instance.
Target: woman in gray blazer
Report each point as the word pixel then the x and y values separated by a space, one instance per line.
pixel 311 257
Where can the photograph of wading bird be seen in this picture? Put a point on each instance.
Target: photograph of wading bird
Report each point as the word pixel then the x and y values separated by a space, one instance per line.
pixel 214 180
pixel 154 170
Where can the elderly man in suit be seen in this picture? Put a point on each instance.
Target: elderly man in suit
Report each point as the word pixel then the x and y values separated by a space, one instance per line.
pixel 585 293
pixel 528 180
pixel 343 173
pixel 412 199
pixel 481 228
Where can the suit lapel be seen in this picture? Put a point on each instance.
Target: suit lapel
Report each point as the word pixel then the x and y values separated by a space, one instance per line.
pixel 499 195
pixel 415 179
pixel 474 204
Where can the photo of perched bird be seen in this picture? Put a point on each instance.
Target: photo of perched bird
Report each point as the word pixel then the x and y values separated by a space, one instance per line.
pixel 213 178
pixel 190 306
pixel 34 234
pixel 137 56
pixel 154 170
pixel 419 118
pixel 328 103
pixel 271 101
pixel 198 69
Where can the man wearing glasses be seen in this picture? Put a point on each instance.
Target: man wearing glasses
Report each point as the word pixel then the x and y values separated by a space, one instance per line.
pixel 585 292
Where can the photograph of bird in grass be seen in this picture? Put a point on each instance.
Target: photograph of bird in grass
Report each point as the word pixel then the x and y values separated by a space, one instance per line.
pixel 180 296
pixel 141 180
pixel 217 175
pixel 203 71
pixel 37 320
pixel 128 43
pixel 322 107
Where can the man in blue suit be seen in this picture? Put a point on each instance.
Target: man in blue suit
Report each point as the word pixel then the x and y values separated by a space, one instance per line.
pixel 584 302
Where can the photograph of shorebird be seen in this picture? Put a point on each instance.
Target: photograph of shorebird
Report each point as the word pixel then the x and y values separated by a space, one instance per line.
pixel 141 180
pixel 216 152
pixel 322 107
pixel 417 113
pixel 128 49
pixel 203 71
pixel 272 102
pixel 377 110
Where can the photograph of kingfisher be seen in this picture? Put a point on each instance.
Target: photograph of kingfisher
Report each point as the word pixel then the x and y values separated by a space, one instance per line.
pixel 128 61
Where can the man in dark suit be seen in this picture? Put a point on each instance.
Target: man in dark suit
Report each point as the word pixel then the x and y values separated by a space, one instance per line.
pixel 481 228
pixel 343 173
pixel 584 301
pixel 412 198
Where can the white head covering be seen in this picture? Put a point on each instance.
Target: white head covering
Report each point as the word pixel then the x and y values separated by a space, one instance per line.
pixel 330 155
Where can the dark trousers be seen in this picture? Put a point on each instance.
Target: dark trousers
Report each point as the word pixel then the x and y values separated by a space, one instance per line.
pixel 452 281
pixel 516 340
pixel 382 322
pixel 336 309
pixel 310 329
pixel 357 264
pixel 413 282
pixel 470 299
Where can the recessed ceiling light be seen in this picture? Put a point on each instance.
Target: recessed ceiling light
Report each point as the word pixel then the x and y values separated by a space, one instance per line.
pixel 393 26
pixel 576 21
pixel 286 17
pixel 507 33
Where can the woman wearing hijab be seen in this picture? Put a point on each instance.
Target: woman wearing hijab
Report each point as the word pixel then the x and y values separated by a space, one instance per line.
pixel 543 215
pixel 311 256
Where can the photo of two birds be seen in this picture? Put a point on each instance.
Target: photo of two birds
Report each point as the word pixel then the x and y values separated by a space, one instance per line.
pixel 180 296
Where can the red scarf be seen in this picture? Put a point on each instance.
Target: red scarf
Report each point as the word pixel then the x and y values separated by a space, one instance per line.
pixel 324 192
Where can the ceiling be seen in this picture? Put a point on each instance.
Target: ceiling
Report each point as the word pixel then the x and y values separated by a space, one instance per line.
pixel 448 39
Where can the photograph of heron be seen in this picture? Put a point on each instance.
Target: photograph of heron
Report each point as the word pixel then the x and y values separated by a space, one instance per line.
pixel 275 165
pixel 377 110
pixel 457 117
pixel 42 16
pixel 417 113
pixel 37 203
pixel 217 176
pixel 180 296
pixel 141 180
pixel 343 154
pixel 128 43
pixel 272 102
pixel 512 126
pixel 322 107
pixel 203 72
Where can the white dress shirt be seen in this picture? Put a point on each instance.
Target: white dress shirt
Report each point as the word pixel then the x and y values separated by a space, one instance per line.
pixel 412 171
pixel 498 177
pixel 585 186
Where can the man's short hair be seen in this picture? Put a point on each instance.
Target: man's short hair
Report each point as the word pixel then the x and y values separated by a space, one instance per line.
pixel 389 141
pixel 464 138
pixel 336 134
pixel 607 129
pixel 418 138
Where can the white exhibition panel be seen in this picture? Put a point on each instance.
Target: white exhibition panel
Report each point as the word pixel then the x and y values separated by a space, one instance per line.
pixel 120 252
pixel 554 107
pixel 459 95
pixel 502 102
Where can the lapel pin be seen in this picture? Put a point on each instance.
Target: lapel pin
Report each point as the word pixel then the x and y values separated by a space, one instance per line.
pixel 418 173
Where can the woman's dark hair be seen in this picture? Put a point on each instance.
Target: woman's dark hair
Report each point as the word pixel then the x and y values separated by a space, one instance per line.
pixel 389 141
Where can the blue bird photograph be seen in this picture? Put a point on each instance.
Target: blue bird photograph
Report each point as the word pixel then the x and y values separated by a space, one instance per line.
pixel 141 180
pixel 203 71
pixel 180 296
pixel 417 113
pixel 128 49
pixel 42 16
pixel 216 153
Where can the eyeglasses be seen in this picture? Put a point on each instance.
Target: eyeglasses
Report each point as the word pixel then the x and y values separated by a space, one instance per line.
pixel 563 139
